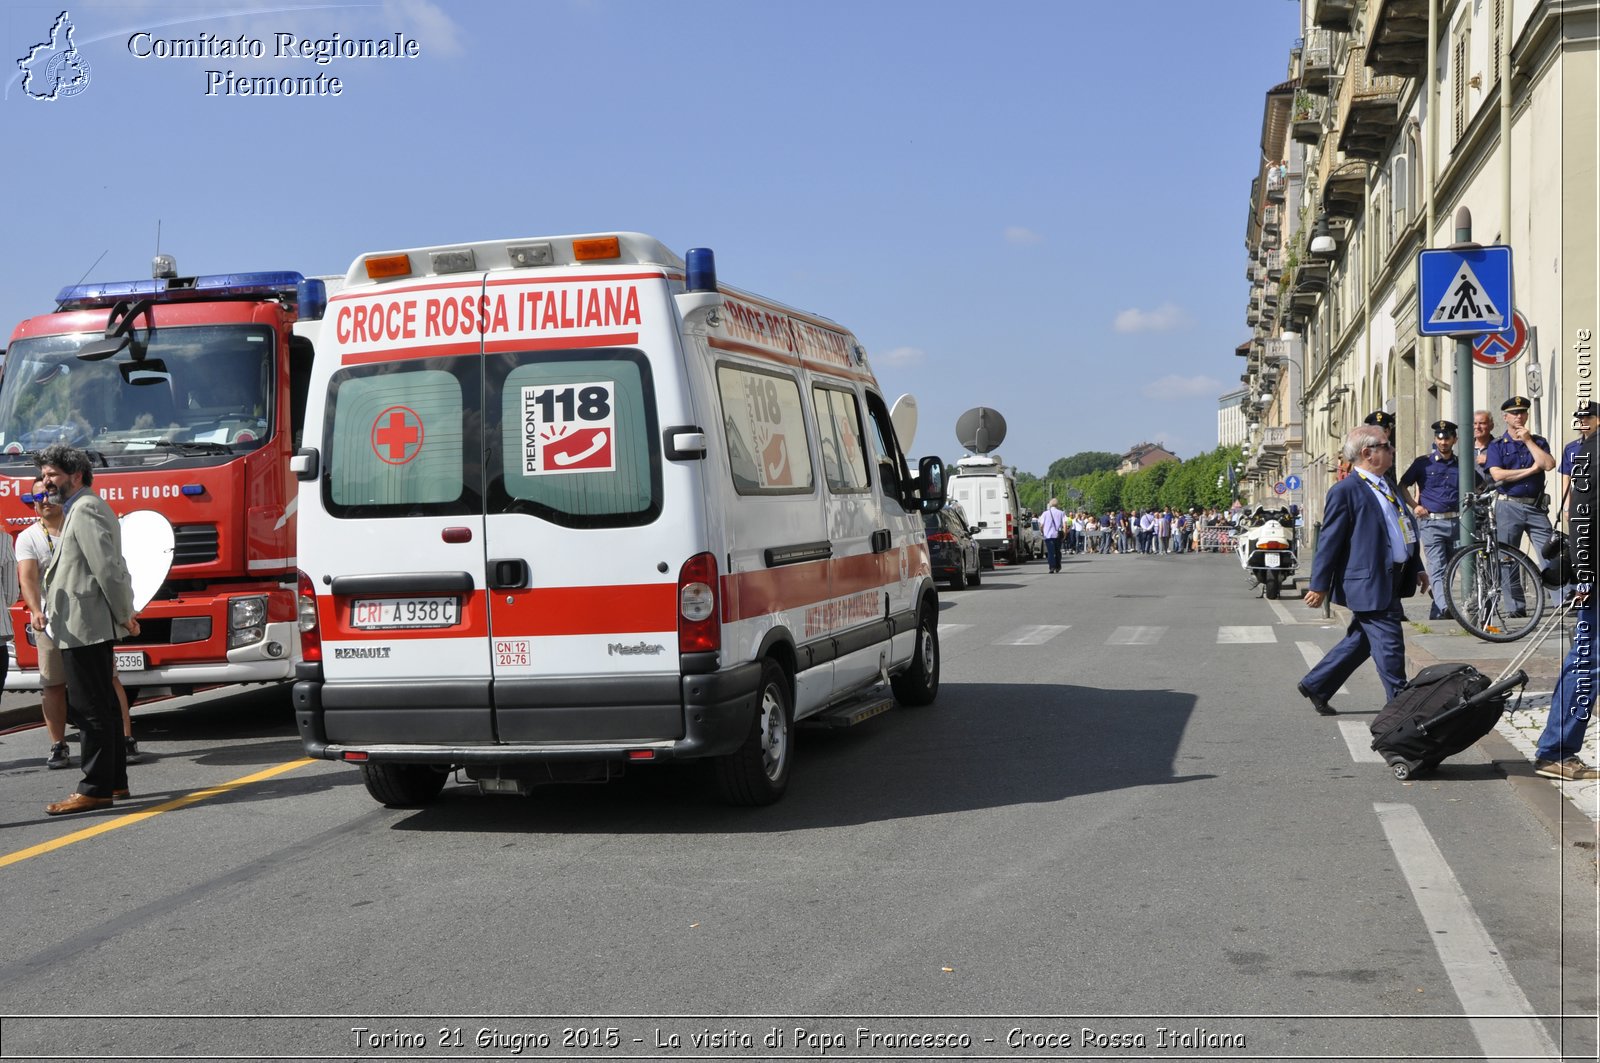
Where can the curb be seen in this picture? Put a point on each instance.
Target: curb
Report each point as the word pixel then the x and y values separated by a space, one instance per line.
pixel 1561 817
pixel 16 716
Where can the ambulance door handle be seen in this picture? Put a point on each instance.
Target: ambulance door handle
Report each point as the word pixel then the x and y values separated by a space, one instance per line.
pixel 508 574
pixel 880 540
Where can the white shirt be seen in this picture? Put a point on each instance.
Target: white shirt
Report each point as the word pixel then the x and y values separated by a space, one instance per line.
pixel 1398 531
pixel 9 587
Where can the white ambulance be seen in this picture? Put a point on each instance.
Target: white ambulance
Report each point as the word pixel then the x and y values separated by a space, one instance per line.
pixel 568 505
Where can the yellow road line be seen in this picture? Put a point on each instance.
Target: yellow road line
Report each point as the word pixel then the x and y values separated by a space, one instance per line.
pixel 145 813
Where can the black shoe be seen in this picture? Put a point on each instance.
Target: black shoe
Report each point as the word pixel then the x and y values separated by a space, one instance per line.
pixel 1318 702
pixel 60 756
pixel 132 749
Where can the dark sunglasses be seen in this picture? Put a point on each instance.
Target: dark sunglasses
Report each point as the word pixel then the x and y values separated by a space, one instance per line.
pixel 35 499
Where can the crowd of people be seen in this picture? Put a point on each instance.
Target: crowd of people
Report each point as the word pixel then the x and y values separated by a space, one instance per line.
pixel 1144 531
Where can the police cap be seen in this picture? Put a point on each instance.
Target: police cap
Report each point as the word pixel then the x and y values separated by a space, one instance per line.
pixel 1444 429
pixel 1380 418
pixel 1516 404
pixel 1587 409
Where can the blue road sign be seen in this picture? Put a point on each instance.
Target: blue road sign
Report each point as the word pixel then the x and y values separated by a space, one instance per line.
pixel 1463 292
pixel 1292 483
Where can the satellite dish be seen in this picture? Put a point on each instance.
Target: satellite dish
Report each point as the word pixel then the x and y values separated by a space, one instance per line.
pixel 147 548
pixel 981 429
pixel 904 418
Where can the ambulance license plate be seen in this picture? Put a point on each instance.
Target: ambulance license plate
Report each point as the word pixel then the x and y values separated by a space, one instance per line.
pixel 130 661
pixel 373 614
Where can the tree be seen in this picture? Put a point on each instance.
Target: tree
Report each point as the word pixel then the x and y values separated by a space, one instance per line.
pixel 1081 464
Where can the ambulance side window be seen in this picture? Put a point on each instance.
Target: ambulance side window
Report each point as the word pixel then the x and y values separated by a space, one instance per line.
pixel 844 459
pixel 892 472
pixel 397 437
pixel 576 441
pixel 765 424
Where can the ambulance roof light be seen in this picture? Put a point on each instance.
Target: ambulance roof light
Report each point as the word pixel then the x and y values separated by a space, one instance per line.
pixel 701 269
pixel 279 284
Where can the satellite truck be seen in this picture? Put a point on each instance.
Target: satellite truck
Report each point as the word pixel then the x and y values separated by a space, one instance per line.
pixel 188 395
pixel 987 489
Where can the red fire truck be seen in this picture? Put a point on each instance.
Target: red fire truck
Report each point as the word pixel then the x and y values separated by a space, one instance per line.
pixel 188 395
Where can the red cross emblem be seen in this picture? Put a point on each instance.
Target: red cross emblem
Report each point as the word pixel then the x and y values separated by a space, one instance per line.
pixel 397 435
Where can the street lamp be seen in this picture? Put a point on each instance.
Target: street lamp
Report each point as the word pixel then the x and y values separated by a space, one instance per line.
pixel 1322 239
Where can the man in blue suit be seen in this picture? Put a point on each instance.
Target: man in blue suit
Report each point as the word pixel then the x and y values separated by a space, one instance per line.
pixel 1367 560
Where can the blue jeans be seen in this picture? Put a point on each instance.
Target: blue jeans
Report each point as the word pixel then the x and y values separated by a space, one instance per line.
pixel 1438 537
pixel 1573 700
pixel 1052 552
pixel 1511 520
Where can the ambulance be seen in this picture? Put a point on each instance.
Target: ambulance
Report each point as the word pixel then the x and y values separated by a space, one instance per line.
pixel 569 505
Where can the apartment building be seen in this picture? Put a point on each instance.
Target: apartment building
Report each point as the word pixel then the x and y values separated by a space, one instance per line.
pixel 1362 148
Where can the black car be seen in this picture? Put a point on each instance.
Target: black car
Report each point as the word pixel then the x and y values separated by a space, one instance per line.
pixel 952 550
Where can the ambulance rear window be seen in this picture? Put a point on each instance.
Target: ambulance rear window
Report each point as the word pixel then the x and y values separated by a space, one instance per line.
pixel 397 439
pixel 575 440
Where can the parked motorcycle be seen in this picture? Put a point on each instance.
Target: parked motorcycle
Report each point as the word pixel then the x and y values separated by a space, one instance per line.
pixel 1266 549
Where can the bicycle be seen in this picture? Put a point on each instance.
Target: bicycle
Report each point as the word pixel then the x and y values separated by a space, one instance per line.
pixel 1478 576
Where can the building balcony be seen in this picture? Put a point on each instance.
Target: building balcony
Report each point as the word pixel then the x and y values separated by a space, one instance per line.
pixel 1310 279
pixel 1271 219
pixel 1316 60
pixel 1368 109
pixel 1342 183
pixel 1273 264
pixel 1333 14
pixel 1307 117
pixel 1397 37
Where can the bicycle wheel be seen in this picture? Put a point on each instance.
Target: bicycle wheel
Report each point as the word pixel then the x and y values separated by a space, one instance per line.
pixel 1475 586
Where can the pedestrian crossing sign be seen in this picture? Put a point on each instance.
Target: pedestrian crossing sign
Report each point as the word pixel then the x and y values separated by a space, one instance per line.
pixel 1463 292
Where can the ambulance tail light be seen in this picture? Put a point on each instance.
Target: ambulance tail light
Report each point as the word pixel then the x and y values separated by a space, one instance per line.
pixel 306 607
pixel 699 626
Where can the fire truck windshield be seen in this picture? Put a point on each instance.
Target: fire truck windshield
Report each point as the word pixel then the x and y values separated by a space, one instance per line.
pixel 203 389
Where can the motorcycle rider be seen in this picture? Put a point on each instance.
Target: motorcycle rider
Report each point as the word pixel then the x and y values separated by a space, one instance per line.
pixel 1436 479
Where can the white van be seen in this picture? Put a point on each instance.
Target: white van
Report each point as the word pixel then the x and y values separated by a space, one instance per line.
pixel 568 505
pixel 987 492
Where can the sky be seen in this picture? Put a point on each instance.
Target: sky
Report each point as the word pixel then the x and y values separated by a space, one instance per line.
pixel 1037 206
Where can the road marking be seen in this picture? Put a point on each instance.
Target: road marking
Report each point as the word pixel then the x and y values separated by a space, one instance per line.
pixel 1032 636
pixel 1358 736
pixel 946 630
pixel 145 813
pixel 1243 634
pixel 1282 610
pixel 1500 1016
pixel 1136 636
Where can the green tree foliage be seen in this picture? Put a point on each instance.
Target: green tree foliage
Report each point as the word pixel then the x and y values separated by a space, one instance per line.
pixel 1081 464
pixel 1190 484
pixel 1032 492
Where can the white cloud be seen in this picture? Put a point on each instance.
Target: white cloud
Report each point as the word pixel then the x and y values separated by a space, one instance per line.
pixel 901 357
pixel 435 29
pixel 1017 234
pixel 1163 318
pixel 1182 387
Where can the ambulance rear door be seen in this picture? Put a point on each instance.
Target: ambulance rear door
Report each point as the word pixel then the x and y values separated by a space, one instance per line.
pixel 588 522
pixel 398 536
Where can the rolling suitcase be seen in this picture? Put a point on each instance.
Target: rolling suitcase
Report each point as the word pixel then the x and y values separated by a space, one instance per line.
pixel 1445 708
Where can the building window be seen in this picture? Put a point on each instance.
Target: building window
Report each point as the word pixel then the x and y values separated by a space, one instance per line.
pixel 1459 56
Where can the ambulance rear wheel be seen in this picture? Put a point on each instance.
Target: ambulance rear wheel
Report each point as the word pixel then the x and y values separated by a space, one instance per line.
pixel 757 773
pixel 403 785
pixel 919 684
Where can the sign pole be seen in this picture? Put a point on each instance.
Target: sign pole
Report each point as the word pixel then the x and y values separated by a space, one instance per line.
pixel 1467 458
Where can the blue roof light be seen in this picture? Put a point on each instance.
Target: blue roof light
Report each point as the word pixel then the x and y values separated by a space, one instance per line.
pixel 281 283
pixel 701 270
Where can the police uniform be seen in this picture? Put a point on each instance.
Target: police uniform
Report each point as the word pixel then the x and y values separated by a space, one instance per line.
pixel 1437 481
pixel 1570 451
pixel 1385 420
pixel 1522 503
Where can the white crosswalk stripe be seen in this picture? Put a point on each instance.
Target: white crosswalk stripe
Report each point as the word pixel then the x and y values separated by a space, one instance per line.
pixel 1034 635
pixel 1358 736
pixel 1136 636
pixel 946 630
pixel 1246 633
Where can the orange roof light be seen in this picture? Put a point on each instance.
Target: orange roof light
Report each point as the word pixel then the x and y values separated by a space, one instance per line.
pixel 388 266
pixel 597 247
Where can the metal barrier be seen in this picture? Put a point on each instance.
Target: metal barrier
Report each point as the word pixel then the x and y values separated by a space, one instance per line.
pixel 1218 539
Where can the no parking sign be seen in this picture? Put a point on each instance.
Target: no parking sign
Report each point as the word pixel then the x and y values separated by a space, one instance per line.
pixel 1496 349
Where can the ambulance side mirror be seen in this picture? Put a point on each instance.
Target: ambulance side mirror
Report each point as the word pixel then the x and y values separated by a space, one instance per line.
pixel 305 463
pixel 930 484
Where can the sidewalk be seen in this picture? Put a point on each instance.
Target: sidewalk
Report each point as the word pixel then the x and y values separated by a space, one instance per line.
pixel 1435 641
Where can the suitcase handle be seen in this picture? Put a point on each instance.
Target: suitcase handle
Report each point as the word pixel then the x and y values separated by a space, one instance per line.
pixel 1494 690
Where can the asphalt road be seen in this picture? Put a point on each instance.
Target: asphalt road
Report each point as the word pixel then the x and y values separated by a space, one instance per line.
pixel 1118 818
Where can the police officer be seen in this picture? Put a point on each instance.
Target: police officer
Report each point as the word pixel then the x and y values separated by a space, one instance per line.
pixel 1436 479
pixel 1518 462
pixel 1385 421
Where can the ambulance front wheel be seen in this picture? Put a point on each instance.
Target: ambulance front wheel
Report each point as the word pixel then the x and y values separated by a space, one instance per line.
pixel 403 785
pixel 757 773
pixel 919 684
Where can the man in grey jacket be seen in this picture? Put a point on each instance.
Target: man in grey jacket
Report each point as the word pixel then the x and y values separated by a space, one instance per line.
pixel 88 604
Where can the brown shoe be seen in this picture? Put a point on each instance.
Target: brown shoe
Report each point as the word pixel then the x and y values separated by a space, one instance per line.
pixel 77 803
pixel 1572 770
